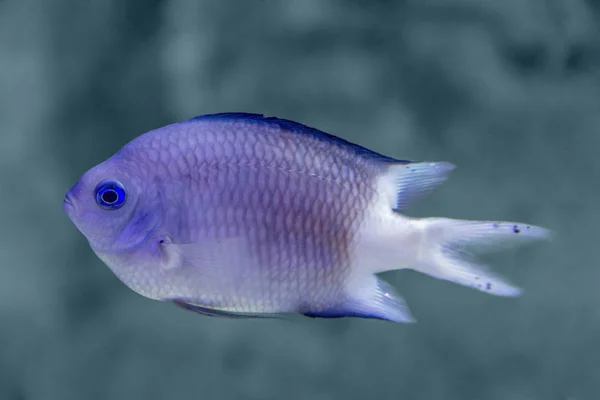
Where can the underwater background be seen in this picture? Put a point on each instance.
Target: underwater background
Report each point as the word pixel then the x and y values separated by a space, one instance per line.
pixel 506 90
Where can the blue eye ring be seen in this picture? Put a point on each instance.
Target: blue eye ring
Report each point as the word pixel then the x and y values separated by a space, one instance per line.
pixel 110 195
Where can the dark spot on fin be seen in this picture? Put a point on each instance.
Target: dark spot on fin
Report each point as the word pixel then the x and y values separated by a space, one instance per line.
pixel 212 312
pixel 381 303
pixel 516 229
pixel 298 128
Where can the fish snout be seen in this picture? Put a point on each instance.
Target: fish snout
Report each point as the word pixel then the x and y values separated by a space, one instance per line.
pixel 70 200
pixel 67 204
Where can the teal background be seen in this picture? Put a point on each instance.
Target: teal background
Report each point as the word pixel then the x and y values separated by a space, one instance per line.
pixel 506 90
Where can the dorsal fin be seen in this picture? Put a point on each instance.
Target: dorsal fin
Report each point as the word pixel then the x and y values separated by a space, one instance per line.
pixel 298 128
pixel 413 181
pixel 229 115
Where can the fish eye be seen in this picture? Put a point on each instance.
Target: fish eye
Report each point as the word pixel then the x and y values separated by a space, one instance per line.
pixel 110 194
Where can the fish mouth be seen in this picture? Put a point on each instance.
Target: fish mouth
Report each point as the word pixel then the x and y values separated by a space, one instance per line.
pixel 67 203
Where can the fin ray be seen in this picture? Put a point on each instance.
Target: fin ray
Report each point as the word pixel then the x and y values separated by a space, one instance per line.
pixel 377 300
pixel 213 257
pixel 449 246
pixel 220 313
pixel 415 180
pixel 297 128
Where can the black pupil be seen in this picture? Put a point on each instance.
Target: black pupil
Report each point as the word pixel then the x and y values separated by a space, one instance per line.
pixel 110 196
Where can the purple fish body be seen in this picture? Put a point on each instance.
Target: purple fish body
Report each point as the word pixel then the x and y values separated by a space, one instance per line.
pixel 242 215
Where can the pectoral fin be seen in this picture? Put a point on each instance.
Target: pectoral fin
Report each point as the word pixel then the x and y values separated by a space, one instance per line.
pixel 219 259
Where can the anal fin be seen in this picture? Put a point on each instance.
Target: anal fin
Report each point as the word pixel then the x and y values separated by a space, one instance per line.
pixel 376 301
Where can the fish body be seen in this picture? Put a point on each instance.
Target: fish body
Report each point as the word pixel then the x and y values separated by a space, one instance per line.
pixel 244 215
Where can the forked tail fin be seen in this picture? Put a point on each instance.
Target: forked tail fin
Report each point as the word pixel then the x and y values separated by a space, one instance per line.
pixel 447 247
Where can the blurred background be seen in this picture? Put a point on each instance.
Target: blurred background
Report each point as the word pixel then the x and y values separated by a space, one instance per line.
pixel 508 90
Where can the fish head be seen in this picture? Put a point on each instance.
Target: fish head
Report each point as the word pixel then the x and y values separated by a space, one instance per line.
pixel 116 205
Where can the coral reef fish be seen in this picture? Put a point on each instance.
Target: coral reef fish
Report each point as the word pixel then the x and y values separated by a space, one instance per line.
pixel 241 215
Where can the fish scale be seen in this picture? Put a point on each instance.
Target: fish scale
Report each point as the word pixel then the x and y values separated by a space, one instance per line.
pixel 282 225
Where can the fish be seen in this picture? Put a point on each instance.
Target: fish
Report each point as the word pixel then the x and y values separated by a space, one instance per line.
pixel 239 215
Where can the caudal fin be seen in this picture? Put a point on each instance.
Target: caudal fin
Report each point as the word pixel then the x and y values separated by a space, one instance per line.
pixel 448 247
